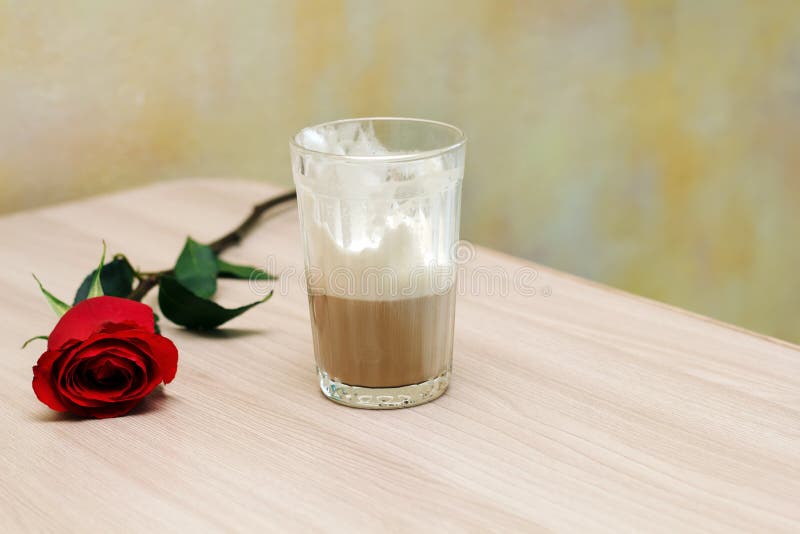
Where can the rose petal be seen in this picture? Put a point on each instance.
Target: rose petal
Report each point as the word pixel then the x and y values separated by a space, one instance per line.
pixel 107 371
pixel 138 387
pixel 43 381
pixel 156 347
pixel 92 374
pixel 73 385
pixel 132 349
pixel 71 389
pixel 108 410
pixel 92 315
pixel 116 409
pixel 144 375
pixel 165 354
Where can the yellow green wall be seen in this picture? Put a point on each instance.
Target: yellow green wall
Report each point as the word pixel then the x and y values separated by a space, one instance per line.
pixel 652 145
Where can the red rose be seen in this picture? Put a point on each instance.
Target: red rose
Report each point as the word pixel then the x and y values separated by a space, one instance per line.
pixel 102 358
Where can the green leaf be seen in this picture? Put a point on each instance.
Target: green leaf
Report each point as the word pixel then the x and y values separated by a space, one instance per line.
pixel 58 306
pixel 156 318
pixel 116 277
pixel 196 268
pixel 96 288
pixel 33 339
pixel 183 307
pixel 242 272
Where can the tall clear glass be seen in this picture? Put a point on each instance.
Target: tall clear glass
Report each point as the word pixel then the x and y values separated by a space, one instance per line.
pixel 379 202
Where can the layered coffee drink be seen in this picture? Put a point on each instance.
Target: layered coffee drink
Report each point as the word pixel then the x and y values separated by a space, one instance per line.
pixel 379 203
pixel 380 340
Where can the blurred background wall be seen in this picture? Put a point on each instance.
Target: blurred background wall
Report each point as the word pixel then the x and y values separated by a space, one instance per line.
pixel 653 145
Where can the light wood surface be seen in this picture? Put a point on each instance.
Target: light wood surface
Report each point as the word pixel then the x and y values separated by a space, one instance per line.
pixel 588 409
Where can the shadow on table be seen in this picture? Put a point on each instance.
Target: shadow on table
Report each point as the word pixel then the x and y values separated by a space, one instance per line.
pixel 154 402
pixel 228 333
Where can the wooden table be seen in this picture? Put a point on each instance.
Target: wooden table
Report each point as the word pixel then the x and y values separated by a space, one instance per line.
pixel 578 408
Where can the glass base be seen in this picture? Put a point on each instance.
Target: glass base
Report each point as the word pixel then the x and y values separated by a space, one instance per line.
pixel 383 398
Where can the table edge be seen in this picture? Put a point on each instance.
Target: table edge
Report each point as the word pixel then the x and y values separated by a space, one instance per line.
pixel 188 181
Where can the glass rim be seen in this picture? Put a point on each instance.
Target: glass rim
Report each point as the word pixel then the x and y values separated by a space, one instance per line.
pixel 461 140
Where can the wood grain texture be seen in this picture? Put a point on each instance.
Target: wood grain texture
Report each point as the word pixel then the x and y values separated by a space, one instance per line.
pixel 588 409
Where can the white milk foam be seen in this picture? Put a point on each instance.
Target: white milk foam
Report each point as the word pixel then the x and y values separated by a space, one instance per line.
pixel 375 228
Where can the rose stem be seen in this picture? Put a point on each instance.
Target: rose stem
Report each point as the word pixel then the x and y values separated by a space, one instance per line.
pixel 233 237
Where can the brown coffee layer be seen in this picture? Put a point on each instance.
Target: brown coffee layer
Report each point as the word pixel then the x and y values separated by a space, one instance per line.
pixel 383 343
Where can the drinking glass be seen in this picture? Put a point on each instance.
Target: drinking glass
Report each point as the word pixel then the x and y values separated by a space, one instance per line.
pixel 379 202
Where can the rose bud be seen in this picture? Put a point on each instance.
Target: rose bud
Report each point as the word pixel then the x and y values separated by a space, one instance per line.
pixel 102 358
